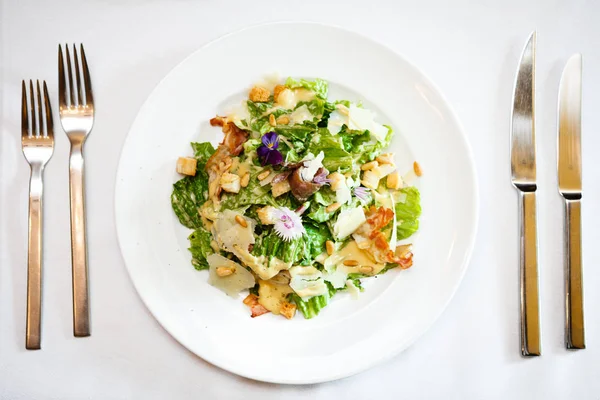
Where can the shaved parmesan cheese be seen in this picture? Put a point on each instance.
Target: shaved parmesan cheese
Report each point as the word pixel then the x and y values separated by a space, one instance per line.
pixel 233 284
pixel 307 282
pixel 352 289
pixel 348 221
pixel 229 232
pixel 356 119
pixel 311 167
pixel 336 121
pixel 300 115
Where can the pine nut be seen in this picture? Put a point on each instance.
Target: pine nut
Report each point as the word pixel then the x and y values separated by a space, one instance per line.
pixel 263 175
pixel 240 220
pixel 330 247
pixel 332 207
pixel 272 121
pixel 225 271
pixel 417 169
pixel 283 120
pixel 386 158
pixel 350 263
pixel 245 179
pixel 369 165
pixel 366 270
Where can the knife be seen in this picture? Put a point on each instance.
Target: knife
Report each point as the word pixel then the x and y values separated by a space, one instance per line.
pixel 569 186
pixel 522 157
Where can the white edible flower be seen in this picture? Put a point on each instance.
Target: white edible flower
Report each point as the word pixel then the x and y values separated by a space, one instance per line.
pixel 288 224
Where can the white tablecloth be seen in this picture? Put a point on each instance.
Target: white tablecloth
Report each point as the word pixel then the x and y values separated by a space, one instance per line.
pixel 469 48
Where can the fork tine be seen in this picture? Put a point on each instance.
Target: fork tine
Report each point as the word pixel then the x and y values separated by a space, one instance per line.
pixel 89 98
pixel 34 129
pixel 62 87
pixel 49 121
pixel 24 112
pixel 39 108
pixel 79 88
pixel 72 101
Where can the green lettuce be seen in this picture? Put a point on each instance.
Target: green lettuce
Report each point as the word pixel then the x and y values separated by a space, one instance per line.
pixel 191 192
pixel 408 213
pixel 315 238
pixel 254 194
pixel 202 152
pixel 336 157
pixel 271 245
pixel 316 107
pixel 298 132
pixel 200 248
pixel 319 86
pixel 310 308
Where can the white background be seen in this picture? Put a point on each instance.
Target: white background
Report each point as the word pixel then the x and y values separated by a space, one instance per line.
pixel 470 49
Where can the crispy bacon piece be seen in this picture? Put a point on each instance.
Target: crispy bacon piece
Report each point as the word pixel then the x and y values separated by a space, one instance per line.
pixel 379 248
pixel 378 218
pixel 234 137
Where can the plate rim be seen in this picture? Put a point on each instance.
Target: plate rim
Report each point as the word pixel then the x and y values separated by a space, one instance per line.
pixel 470 242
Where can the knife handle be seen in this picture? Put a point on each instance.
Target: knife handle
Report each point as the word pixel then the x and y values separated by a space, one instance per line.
pixel 530 309
pixel 575 335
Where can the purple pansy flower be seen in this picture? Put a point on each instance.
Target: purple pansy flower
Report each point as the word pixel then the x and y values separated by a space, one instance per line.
pixel 268 152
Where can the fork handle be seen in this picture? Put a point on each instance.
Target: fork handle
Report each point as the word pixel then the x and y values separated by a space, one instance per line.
pixel 575 336
pixel 530 314
pixel 81 310
pixel 34 260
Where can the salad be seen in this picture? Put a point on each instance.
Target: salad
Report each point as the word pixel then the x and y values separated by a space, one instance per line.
pixel 299 202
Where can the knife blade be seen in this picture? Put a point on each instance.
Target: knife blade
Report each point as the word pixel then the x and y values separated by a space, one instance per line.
pixel 523 170
pixel 569 186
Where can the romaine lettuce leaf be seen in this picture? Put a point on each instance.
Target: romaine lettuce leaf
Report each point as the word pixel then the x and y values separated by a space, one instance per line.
pixel 254 194
pixel 408 213
pixel 336 157
pixel 191 192
pixel 200 248
pixel 202 152
pixel 310 308
pixel 316 107
pixel 297 132
pixel 271 245
pixel 319 86
pixel 256 110
pixel 315 238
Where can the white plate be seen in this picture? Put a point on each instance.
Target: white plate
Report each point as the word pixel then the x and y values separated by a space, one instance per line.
pixel 349 335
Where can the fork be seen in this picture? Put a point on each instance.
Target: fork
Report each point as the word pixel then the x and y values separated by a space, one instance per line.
pixel 76 109
pixel 38 146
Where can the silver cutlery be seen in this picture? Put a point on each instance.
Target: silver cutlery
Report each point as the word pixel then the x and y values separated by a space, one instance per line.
pixel 524 179
pixel 569 186
pixel 76 106
pixel 37 140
